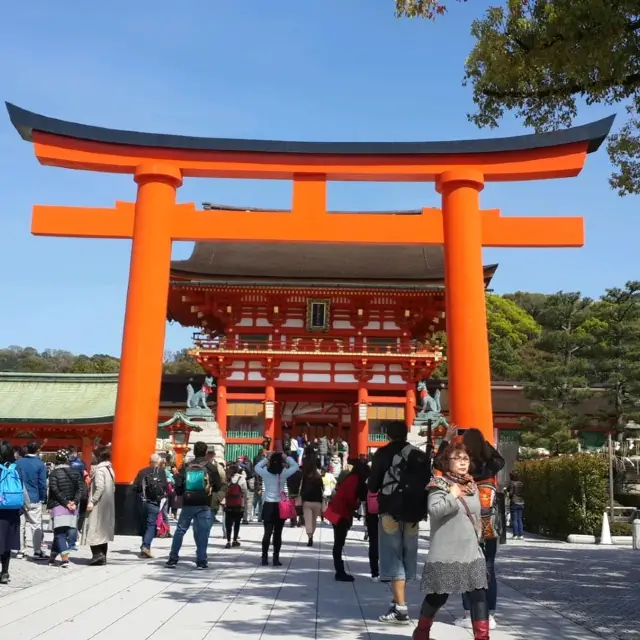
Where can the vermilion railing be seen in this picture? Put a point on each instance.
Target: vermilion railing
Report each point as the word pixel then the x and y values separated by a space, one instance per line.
pixel 304 344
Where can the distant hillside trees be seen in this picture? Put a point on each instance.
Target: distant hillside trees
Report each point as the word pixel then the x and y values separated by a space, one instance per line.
pixel 28 359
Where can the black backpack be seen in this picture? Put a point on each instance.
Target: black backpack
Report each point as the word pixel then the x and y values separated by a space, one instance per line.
pixel 153 489
pixel 403 495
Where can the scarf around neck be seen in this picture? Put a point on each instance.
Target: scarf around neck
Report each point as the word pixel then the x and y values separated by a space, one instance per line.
pixel 465 482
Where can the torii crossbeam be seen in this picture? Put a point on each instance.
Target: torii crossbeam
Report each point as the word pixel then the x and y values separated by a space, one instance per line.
pixel 159 163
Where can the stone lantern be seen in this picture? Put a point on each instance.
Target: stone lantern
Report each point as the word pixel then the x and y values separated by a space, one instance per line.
pixel 180 428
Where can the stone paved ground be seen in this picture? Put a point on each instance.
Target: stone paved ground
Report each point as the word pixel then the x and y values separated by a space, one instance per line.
pixel 596 587
pixel 237 599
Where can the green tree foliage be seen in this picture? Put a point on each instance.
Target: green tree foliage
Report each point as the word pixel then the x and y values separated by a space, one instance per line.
pixel 615 356
pixel 181 362
pixel 510 329
pixel 420 8
pixel 542 59
pixel 28 359
pixel 532 303
pixel 557 378
pixel 564 495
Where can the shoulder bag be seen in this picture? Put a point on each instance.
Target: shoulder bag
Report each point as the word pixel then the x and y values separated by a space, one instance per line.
pixel 286 506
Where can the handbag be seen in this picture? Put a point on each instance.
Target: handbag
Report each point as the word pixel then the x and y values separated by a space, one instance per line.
pixel 331 516
pixel 373 505
pixel 286 506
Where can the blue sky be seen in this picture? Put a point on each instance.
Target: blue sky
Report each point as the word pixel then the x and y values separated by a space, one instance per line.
pixel 280 69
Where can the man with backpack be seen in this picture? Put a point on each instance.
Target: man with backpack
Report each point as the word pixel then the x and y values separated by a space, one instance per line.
pixel 197 481
pixel 151 483
pixel 400 474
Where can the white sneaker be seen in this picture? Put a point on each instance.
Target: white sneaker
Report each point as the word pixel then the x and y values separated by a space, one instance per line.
pixel 492 622
pixel 465 622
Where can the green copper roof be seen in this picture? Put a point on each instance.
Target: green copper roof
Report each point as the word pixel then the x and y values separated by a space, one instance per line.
pixel 80 398
pixel 178 416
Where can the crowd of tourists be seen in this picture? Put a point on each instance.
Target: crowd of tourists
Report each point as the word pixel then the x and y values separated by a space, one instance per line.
pixel 301 483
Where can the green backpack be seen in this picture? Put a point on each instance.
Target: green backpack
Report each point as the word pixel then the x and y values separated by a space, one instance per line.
pixel 197 479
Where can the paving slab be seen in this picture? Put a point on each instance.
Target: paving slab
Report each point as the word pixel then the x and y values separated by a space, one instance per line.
pixel 237 599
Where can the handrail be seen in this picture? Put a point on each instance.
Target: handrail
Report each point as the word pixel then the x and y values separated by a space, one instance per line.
pixel 313 344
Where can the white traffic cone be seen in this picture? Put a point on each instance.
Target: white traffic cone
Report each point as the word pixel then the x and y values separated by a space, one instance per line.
pixel 605 532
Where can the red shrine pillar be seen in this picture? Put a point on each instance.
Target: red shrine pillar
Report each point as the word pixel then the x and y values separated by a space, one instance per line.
pixel 270 423
pixel 221 406
pixel 410 407
pixel 363 425
pixel 136 418
pixel 466 315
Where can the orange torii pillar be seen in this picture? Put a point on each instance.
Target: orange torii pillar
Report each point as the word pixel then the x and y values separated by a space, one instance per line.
pixel 159 163
pixel 466 313
pixel 144 320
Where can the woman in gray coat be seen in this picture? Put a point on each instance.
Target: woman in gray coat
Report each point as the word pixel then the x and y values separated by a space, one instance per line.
pixel 101 508
pixel 455 563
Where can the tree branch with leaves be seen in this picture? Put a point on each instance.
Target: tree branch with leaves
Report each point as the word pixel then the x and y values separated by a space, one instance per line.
pixel 542 59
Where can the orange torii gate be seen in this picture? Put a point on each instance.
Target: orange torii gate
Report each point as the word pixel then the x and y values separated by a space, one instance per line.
pixel 159 163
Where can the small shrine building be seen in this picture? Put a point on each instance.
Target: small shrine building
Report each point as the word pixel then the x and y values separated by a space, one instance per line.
pixel 58 410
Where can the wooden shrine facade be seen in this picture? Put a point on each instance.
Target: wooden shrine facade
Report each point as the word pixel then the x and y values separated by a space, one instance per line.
pixel 318 354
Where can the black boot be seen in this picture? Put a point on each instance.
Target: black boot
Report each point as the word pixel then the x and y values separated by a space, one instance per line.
pixel 265 560
pixel 341 574
pixel 276 560
pixel 98 560
pixel 310 542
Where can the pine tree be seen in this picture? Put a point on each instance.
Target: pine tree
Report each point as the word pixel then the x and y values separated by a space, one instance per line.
pixel 557 377
pixel 615 356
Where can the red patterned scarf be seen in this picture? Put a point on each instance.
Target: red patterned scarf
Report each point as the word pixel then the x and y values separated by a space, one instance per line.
pixel 465 482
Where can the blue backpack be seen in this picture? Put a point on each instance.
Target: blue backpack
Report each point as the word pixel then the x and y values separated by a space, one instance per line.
pixel 11 489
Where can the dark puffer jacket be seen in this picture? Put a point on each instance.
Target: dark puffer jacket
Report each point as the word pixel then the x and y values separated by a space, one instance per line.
pixel 65 485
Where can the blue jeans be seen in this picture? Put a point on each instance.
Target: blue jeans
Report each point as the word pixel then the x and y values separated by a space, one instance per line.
pixel 73 538
pixel 257 507
pixel 202 521
pixel 150 514
pixel 517 523
pixel 398 543
pixel 490 549
pixel 60 537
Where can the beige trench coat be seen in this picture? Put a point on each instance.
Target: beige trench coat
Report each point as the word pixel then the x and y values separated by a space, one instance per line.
pixel 101 520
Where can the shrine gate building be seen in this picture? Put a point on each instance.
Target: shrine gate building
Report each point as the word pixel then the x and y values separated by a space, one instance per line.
pixel 315 339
